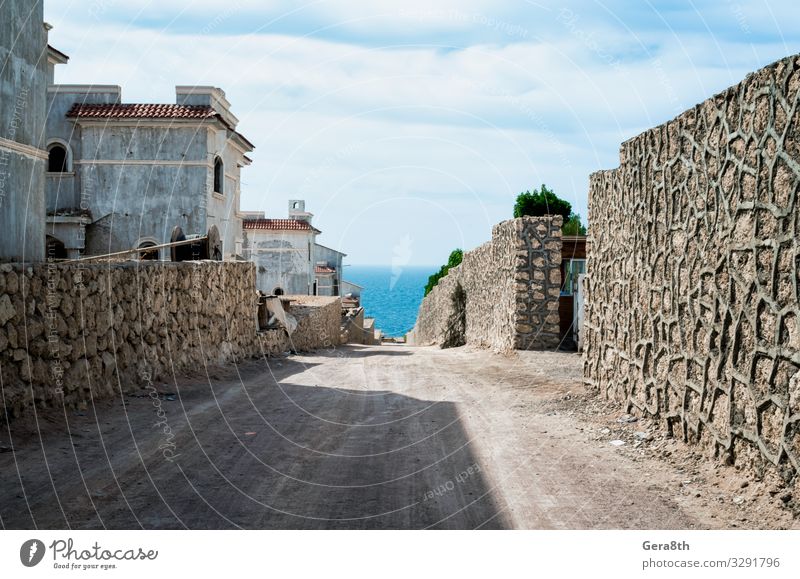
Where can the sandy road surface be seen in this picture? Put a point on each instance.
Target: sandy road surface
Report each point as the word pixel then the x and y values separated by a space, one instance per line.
pixel 363 437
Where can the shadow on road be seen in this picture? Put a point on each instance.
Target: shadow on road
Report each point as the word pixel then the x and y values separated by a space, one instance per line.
pixel 258 453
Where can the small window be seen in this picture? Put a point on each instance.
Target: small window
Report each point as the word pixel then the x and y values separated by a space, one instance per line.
pixel 277 291
pixel 219 176
pixel 57 159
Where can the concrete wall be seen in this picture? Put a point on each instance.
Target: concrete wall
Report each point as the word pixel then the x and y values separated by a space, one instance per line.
pixel 140 178
pixel 72 333
pixel 23 87
pixel 692 304
pixel 282 259
pixel 503 296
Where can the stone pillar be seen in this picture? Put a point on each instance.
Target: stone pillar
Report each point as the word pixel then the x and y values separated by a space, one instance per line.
pixel 538 282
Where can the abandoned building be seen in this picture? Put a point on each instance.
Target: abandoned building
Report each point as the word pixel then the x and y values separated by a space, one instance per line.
pixel 288 259
pixel 23 82
pixel 123 175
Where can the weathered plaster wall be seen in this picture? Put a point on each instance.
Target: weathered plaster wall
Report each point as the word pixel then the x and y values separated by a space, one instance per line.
pixel 692 305
pixel 282 260
pixel 503 296
pixel 72 333
pixel 23 88
pixel 139 182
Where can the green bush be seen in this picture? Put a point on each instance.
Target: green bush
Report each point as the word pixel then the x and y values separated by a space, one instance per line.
pixel 544 201
pixel 455 259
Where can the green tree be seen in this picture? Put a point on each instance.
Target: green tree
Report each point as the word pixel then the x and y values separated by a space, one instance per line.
pixel 540 202
pixel 544 201
pixel 573 226
pixel 456 256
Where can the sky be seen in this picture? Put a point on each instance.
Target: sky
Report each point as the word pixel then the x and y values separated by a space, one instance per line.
pixel 410 126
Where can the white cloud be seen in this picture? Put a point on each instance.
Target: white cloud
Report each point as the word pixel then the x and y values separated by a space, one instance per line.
pixel 430 135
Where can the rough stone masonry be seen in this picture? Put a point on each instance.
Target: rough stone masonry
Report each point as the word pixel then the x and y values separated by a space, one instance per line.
pixel 692 306
pixel 503 296
pixel 74 333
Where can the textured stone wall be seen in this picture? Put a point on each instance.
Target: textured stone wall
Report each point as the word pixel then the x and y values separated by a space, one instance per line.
pixel 319 322
pixel 503 296
pixel 71 333
pixel 692 306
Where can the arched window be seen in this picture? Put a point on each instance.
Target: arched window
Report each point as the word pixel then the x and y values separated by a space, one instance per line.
pixel 151 255
pixel 57 160
pixel 277 291
pixel 219 176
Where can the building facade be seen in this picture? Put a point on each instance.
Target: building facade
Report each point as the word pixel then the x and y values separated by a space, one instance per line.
pixel 287 256
pixel 23 86
pixel 328 264
pixel 122 176
pixel 283 251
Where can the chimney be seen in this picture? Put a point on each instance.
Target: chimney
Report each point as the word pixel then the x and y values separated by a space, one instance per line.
pixel 297 210
pixel 207 96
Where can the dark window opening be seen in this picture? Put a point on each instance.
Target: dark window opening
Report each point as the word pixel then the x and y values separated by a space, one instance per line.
pixel 219 176
pixel 57 159
pixel 151 255
pixel 277 291
pixel 55 248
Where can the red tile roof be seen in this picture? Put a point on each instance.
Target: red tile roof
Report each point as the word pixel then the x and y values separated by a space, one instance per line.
pixel 140 111
pixel 323 269
pixel 150 111
pixel 278 224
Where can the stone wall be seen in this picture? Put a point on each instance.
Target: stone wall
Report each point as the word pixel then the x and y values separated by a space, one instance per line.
pixel 503 296
pixel 319 322
pixel 692 305
pixel 70 333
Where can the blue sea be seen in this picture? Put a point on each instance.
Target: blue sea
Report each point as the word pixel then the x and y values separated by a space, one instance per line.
pixel 391 297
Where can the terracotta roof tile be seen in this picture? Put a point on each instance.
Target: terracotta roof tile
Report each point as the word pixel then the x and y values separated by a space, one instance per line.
pixel 140 111
pixel 278 224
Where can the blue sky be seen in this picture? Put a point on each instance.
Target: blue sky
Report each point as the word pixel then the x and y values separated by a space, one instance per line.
pixel 409 126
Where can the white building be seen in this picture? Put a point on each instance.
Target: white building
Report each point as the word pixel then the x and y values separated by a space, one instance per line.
pixel 122 176
pixel 287 256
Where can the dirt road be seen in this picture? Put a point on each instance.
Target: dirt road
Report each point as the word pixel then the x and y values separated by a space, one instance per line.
pixel 360 437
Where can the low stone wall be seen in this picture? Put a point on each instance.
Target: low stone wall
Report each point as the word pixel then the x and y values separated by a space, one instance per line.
pixel 503 296
pixel 692 286
pixel 319 320
pixel 353 328
pixel 70 333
